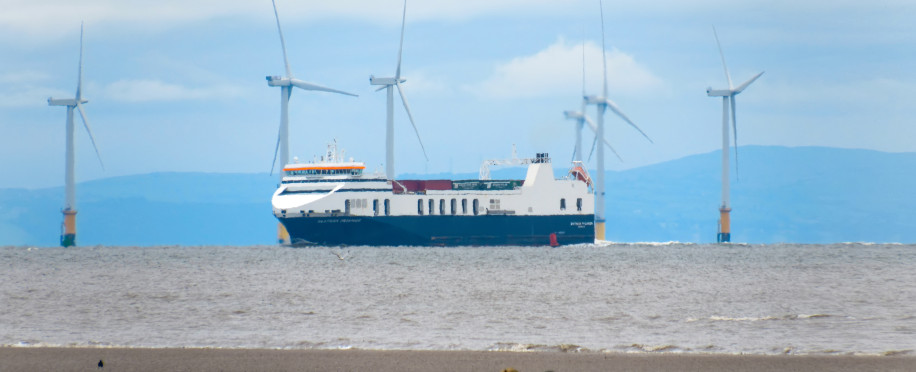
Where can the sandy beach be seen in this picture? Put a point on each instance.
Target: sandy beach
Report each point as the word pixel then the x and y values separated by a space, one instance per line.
pixel 140 359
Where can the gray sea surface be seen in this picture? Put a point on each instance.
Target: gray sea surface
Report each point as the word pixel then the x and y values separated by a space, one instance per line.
pixel 759 299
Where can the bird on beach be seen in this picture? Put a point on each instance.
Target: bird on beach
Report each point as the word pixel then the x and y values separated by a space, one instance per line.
pixel 341 257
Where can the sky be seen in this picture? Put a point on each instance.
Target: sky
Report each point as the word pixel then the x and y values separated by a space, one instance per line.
pixel 176 86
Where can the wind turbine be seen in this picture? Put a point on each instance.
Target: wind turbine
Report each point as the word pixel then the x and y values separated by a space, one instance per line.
pixel 387 84
pixel 728 97
pixel 603 103
pixel 286 84
pixel 68 236
pixel 579 116
pixel 582 118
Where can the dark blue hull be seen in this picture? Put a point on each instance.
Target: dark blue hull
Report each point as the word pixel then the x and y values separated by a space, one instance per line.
pixel 440 230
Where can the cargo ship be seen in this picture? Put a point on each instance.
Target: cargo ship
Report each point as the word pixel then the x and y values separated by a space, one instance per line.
pixel 333 202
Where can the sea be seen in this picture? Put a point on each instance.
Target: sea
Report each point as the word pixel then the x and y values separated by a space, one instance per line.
pixel 849 298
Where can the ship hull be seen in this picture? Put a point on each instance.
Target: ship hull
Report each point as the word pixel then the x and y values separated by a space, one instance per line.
pixel 483 230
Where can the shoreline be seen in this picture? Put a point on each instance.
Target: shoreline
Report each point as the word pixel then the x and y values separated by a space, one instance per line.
pixel 206 359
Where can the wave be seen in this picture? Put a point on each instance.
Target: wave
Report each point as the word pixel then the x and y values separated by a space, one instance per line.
pixel 718 318
pixel 634 348
pixel 516 347
pixel 664 348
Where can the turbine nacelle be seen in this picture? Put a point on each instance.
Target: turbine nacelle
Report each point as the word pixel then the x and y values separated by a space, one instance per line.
pixel 719 92
pixel 278 81
pixel 574 115
pixel 595 100
pixel 731 92
pixel 65 101
pixel 385 81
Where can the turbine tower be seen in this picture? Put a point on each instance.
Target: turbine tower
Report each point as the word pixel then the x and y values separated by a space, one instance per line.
pixel 728 98
pixel 603 103
pixel 286 84
pixel 387 84
pixel 68 235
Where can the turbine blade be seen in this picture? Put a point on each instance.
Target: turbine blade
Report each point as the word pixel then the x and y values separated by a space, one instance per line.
pixel 282 42
pixel 613 107
pixel 583 67
pixel 79 107
pixel 613 150
pixel 592 152
pixel 594 129
pixel 409 115
pixel 311 86
pixel 397 73
pixel 603 52
pixel 79 79
pixel 276 152
pixel 735 133
pixel 721 54
pixel 744 86
pixel 584 102
pixel 591 124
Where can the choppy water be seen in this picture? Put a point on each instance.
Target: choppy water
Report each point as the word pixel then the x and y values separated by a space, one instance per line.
pixel 762 299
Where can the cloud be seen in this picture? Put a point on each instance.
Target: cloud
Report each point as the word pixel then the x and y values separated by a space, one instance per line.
pixel 28 89
pixel 154 90
pixel 557 70
pixel 29 21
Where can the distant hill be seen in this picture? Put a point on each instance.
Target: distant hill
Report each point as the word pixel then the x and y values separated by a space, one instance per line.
pixel 801 194
pixel 149 209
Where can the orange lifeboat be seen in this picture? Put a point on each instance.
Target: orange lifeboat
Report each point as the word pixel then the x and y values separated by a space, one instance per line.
pixel 581 174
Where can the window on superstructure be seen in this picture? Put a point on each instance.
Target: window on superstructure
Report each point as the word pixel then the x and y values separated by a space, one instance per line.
pixel 441 206
pixel 375 207
pixel 432 206
pixel 562 204
pixel 347 206
pixel 454 206
pixel 420 207
pixel 476 206
pixel 464 206
pixel 387 207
